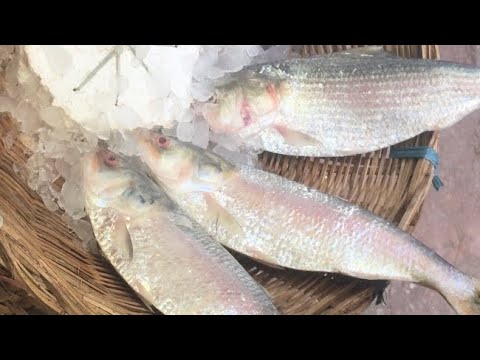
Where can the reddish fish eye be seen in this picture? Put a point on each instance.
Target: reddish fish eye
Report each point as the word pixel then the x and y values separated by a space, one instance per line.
pixel 163 142
pixel 111 160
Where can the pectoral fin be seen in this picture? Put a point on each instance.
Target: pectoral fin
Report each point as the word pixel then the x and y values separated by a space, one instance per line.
pixel 121 240
pixel 222 217
pixel 296 138
pixel 196 185
pixel 143 290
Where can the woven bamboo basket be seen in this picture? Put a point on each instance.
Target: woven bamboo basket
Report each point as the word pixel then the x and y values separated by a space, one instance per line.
pixel 44 269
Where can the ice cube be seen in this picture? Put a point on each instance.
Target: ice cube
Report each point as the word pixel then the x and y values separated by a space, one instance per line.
pixel 29 84
pixel 53 116
pixel 185 131
pixel 123 84
pixel 28 117
pixel 7 104
pixel 11 73
pixel 84 141
pixel 50 203
pixel 72 156
pixel 6 51
pixel 187 117
pixel 141 51
pixel 201 132
pixel 124 117
pixel 82 228
pixel 63 168
pixel 123 142
pixel 47 173
pixel 42 98
pixel 216 73
pixel 158 87
pixel 58 58
pixel 233 59
pixel 202 91
pixel 206 60
pixel 72 196
pixel 48 200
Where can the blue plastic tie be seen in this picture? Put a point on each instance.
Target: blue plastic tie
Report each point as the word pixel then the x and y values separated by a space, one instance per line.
pixel 420 152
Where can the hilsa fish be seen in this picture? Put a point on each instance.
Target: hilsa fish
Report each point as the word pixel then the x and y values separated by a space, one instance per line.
pixel 169 260
pixel 345 103
pixel 285 224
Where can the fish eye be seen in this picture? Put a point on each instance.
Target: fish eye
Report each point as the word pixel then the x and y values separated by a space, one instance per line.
pixel 162 141
pixel 111 160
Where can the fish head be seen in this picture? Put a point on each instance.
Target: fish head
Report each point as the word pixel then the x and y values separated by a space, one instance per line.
pixel 164 155
pixel 241 104
pixel 106 175
pixel 179 165
pixel 114 181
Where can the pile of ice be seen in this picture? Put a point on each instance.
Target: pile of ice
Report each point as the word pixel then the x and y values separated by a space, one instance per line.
pixel 64 107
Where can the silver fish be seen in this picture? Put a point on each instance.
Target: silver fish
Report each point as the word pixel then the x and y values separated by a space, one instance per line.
pixel 163 255
pixel 341 104
pixel 286 224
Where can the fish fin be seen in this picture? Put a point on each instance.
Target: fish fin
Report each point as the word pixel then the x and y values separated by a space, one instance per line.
pixel 181 220
pixel 196 185
pixel 296 138
pixel 121 239
pixel 222 216
pixel 266 260
pixel 208 171
pixel 379 287
pixel 466 305
pixel 143 292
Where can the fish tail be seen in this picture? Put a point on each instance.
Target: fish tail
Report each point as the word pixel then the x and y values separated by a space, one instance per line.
pixel 467 302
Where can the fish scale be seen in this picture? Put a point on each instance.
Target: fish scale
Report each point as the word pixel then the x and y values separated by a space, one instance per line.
pixel 174 264
pixel 378 98
pixel 286 224
pixel 296 228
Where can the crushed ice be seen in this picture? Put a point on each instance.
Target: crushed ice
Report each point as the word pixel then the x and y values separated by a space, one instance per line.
pixel 156 85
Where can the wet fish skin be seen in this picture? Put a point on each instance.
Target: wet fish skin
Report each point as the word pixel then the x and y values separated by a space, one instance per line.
pixel 163 255
pixel 346 103
pixel 286 224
